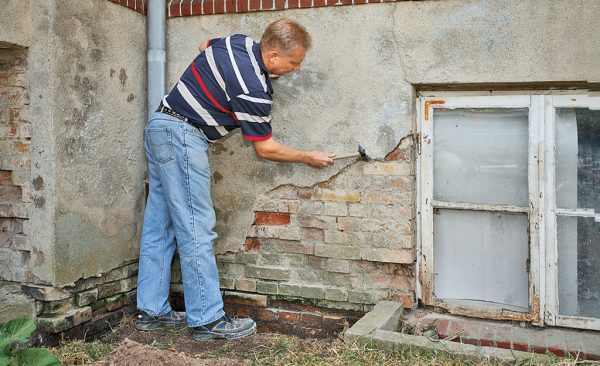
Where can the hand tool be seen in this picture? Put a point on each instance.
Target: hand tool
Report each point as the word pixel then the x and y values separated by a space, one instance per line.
pixel 361 153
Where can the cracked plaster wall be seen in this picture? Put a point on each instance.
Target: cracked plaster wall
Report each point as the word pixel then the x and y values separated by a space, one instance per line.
pixel 86 74
pixel 356 82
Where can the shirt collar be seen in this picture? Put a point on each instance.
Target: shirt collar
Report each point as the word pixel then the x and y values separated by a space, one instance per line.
pixel 261 64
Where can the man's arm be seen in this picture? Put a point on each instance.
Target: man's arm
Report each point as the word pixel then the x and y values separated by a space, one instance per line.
pixel 273 150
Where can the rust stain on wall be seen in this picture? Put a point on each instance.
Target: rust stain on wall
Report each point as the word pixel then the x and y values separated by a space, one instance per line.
pixel 428 104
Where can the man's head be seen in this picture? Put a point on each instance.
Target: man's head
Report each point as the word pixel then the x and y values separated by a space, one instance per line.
pixel 283 46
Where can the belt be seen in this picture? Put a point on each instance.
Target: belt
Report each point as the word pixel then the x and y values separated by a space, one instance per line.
pixel 166 110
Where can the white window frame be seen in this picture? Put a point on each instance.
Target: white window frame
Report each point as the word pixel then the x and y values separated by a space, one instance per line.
pixel 552 316
pixel 543 276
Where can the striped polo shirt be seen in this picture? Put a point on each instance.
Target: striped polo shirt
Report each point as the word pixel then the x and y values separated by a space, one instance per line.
pixel 226 87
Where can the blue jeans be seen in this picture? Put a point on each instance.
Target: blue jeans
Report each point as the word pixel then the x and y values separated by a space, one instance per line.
pixel 179 212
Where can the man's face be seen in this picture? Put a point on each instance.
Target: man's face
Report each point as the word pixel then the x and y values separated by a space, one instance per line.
pixel 281 64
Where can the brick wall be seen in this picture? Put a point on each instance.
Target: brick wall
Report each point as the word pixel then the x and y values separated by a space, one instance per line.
pixel 342 245
pixel 182 8
pixel 15 162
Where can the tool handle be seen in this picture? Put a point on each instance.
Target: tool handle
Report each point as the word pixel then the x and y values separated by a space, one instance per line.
pixel 347 156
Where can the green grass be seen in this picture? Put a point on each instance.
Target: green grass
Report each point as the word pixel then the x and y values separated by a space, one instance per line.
pixel 80 352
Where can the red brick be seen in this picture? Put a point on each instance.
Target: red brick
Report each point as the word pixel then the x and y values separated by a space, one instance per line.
pixel 503 344
pixel 242 6
pixel 472 341
pixel 319 3
pixel 271 218
pixel 305 3
pixel 334 321
pixel 254 5
pixel 267 315
pixel 557 351
pixel 356 2
pixel 14 114
pixel 208 7
pixel 524 347
pixel 279 4
pixel 230 6
pixel 123 2
pixel 592 357
pixel 331 2
pixel 197 7
pixel 6 177
pixel 186 9
pixel 219 6
pixel 406 299
pixel 3 80
pixel 539 349
pixel 266 4
pixel 252 244
pixel 289 318
pixel 442 326
pixel 486 343
pixel 10 193
pixel 349 2
pixel 174 8
pixel 312 320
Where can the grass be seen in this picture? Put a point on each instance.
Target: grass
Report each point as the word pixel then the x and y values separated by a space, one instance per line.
pixel 80 352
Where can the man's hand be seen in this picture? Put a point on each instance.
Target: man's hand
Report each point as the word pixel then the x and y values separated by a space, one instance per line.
pixel 319 159
pixel 203 46
pixel 273 150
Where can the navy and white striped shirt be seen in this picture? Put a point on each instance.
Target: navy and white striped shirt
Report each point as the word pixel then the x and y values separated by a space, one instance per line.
pixel 226 87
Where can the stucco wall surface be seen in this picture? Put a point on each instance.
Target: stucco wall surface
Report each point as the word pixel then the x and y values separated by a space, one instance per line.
pixel 355 85
pixel 99 50
pixel 86 75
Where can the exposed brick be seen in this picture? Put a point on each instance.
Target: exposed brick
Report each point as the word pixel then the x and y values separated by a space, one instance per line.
pixel 268 315
pixel 332 2
pixel 313 292
pixel 44 293
pixel 208 6
pixel 270 288
pixel 312 234
pixel 288 206
pixel 337 251
pixel 109 289
pixel 288 246
pixel 336 208
pixel 242 6
pixel 268 273
pixel 392 168
pixel 334 321
pixel 245 285
pixel 306 3
pixel 228 283
pixel 5 177
pixel 196 7
pixel 319 3
pixel 349 223
pixel 404 256
pixel 230 6
pixel 321 222
pixel 244 298
pixel 293 4
pixel 338 265
pixel 557 351
pixel 266 4
pixel 336 294
pixel 290 290
pixel 290 192
pixel 219 6
pixel 271 218
pixel 289 318
pixel 86 297
pixel 338 195
pixel 65 321
pixel 174 8
pixel 252 244
pixel 311 320
pixel 335 237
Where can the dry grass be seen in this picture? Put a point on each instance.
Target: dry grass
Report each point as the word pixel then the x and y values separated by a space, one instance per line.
pixel 80 352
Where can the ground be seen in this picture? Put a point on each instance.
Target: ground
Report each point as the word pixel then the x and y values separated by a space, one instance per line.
pixel 126 346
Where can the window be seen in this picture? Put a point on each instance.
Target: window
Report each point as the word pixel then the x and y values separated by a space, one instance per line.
pixel 508 201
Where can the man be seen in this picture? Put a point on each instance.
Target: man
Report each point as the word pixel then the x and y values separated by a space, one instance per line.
pixel 226 87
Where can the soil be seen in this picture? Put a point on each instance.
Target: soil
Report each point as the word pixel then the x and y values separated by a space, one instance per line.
pixel 176 347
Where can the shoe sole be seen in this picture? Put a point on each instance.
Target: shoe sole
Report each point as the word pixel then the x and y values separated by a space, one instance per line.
pixel 157 325
pixel 207 336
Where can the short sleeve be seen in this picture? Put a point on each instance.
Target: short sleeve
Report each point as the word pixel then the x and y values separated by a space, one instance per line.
pixel 253 112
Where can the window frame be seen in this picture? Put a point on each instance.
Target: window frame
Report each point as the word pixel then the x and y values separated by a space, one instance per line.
pixel 543 275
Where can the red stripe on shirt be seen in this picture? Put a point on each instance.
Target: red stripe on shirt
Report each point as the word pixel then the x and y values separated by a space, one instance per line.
pixel 209 95
pixel 258 138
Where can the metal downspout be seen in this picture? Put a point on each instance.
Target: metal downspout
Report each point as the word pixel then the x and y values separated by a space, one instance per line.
pixel 157 34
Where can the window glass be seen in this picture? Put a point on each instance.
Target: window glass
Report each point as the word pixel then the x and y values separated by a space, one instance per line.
pixel 480 156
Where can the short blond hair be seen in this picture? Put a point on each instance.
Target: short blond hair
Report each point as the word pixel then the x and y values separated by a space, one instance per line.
pixel 285 35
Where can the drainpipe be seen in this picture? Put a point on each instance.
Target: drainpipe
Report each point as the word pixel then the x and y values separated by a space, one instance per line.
pixel 157 27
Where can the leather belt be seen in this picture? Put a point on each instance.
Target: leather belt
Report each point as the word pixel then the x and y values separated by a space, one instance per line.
pixel 166 110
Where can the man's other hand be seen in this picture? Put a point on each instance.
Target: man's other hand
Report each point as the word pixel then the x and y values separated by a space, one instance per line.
pixel 203 46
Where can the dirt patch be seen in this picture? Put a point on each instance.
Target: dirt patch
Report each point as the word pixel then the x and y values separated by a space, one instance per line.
pixel 130 353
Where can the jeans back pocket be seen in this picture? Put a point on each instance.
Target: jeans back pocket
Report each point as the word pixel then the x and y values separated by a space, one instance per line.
pixel 161 144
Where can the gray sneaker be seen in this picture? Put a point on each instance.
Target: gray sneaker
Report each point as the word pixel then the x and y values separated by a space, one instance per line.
pixel 224 328
pixel 173 319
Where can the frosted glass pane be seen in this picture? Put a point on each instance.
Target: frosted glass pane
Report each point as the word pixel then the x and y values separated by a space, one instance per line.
pixel 578 159
pixel 481 256
pixel 579 266
pixel 480 155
